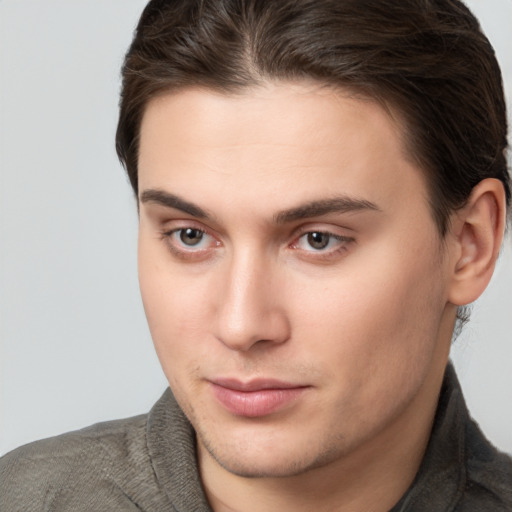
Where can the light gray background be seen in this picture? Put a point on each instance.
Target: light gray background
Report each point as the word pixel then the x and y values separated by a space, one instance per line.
pixel 74 346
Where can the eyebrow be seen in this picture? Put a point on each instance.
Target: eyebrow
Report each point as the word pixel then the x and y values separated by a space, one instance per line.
pixel 309 210
pixel 323 207
pixel 172 201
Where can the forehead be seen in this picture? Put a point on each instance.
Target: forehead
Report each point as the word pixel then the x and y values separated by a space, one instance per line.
pixel 302 138
pixel 273 112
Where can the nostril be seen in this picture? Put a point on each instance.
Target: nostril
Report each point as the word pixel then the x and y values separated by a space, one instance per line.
pixel 250 331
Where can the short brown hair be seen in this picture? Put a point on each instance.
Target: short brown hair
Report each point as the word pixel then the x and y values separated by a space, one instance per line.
pixel 427 60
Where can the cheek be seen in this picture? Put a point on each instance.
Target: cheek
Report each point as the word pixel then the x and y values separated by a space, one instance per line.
pixel 175 306
pixel 375 339
pixel 375 322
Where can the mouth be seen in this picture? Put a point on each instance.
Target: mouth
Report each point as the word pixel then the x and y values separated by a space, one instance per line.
pixel 256 398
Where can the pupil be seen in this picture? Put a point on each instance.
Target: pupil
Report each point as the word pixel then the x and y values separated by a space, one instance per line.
pixel 318 240
pixel 191 236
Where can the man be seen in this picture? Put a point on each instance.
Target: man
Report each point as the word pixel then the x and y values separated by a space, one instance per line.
pixel 322 186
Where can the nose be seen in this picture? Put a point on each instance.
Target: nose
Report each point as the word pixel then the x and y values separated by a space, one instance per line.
pixel 249 308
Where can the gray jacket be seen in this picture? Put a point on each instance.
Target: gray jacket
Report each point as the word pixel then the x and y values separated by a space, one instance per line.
pixel 148 463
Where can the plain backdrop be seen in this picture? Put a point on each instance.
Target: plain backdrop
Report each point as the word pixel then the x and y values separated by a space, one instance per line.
pixel 74 346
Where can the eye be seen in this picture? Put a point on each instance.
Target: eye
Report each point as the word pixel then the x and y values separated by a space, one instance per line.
pixel 190 236
pixel 189 242
pixel 322 243
pixel 319 241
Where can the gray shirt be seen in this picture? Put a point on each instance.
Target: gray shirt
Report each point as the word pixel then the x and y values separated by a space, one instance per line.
pixel 148 463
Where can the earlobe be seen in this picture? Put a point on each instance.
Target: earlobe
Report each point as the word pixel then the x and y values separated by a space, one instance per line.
pixel 478 233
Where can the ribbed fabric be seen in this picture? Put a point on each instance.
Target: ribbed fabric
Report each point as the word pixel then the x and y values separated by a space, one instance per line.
pixel 461 471
pixel 147 463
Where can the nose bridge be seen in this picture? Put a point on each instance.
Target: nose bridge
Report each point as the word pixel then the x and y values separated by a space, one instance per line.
pixel 249 310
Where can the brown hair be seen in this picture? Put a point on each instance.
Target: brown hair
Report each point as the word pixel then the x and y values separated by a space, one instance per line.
pixel 426 59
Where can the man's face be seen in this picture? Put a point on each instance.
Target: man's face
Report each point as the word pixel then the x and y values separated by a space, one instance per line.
pixel 291 274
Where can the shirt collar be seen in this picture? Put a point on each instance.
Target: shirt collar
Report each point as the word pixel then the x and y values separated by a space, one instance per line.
pixel 441 479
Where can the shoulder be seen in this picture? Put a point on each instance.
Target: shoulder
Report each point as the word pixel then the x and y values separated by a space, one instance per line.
pixel 90 463
pixel 488 474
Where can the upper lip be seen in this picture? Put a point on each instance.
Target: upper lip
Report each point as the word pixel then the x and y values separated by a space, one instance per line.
pixel 255 384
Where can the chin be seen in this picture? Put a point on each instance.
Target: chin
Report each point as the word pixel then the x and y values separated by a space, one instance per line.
pixel 275 461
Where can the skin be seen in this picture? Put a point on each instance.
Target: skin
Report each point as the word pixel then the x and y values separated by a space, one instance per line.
pixel 362 325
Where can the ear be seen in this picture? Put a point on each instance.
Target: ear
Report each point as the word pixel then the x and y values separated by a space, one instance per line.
pixel 477 232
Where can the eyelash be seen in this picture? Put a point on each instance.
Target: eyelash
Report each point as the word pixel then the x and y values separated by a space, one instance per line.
pixel 182 252
pixel 319 254
pixel 316 254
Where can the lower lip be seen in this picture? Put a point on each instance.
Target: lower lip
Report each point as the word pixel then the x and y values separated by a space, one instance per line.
pixel 253 404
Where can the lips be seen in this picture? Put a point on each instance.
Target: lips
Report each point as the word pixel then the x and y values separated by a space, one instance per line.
pixel 256 398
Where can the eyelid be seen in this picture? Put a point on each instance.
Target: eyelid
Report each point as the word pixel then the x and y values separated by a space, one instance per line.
pixel 175 224
pixel 322 255
pixel 340 238
pixel 328 229
pixel 181 251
